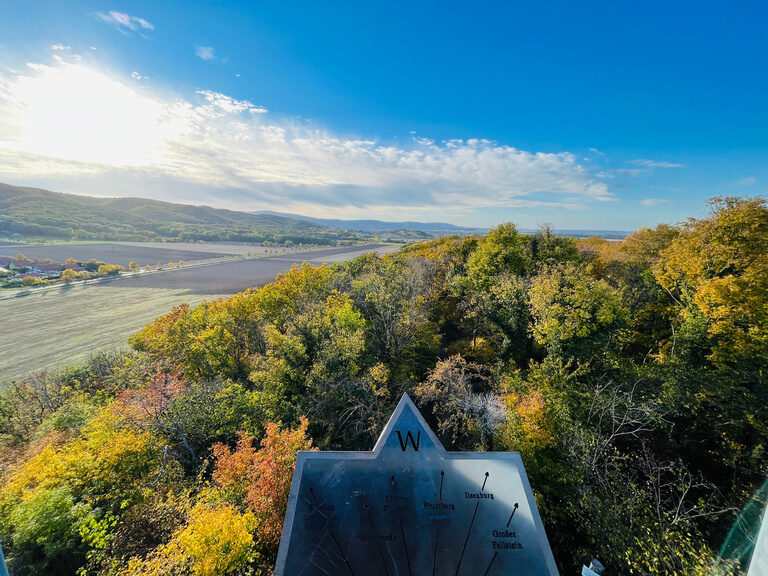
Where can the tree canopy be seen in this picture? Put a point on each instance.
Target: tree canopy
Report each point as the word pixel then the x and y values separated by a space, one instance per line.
pixel 630 375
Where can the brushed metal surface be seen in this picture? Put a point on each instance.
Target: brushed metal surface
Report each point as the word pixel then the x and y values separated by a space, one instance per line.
pixel 410 508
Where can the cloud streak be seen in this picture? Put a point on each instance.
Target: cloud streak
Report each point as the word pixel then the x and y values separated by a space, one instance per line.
pixel 125 23
pixel 70 121
pixel 656 164
pixel 746 181
pixel 230 105
pixel 654 201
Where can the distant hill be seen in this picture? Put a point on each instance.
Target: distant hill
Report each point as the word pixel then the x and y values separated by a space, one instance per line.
pixel 405 235
pixel 33 212
pixel 417 230
pixel 607 234
pixel 432 228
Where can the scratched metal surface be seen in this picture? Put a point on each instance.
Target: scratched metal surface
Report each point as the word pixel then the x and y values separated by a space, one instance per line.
pixel 410 508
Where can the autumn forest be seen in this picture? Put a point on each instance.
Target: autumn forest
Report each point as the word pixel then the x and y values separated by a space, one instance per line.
pixel 630 375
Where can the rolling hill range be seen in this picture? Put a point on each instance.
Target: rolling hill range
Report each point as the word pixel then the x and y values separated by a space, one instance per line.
pixel 424 230
pixel 35 213
pixel 431 228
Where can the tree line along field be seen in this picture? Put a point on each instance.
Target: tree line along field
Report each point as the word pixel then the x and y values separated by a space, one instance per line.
pixel 61 325
pixel 630 376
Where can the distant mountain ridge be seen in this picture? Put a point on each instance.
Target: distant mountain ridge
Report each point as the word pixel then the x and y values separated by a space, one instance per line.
pixel 379 225
pixel 29 212
pixel 432 228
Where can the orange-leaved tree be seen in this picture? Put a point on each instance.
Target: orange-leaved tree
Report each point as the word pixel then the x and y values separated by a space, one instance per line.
pixel 261 479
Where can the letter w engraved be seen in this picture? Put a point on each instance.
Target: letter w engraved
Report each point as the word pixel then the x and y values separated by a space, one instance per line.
pixel 409 438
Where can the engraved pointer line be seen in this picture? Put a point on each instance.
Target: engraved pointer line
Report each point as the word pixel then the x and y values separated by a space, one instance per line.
pixel 467 539
pixel 513 515
pixel 490 564
pixel 437 529
pixel 378 547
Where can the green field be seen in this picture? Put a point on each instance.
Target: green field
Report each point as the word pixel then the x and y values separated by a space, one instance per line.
pixel 92 319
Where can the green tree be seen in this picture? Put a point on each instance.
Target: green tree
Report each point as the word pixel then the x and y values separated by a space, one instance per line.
pixel 502 250
pixel 572 312
pixel 546 246
pixel 93 265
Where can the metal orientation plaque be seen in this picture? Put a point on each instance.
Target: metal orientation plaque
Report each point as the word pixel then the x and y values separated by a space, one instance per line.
pixel 409 508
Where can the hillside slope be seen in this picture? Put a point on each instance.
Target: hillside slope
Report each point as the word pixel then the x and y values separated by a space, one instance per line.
pixel 33 212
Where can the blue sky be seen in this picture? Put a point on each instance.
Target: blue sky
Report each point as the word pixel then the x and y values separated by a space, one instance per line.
pixel 586 115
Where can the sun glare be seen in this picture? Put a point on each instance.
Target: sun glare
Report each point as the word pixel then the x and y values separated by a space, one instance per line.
pixel 72 112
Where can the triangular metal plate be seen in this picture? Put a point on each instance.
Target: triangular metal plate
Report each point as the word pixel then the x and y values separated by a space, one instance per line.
pixel 411 508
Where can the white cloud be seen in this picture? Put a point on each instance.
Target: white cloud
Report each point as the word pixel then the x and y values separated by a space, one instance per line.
pixel 205 52
pixel 653 201
pixel 60 47
pixel 125 23
pixel 69 121
pixel 137 76
pixel 596 151
pixel 227 104
pixel 656 164
pixel 747 181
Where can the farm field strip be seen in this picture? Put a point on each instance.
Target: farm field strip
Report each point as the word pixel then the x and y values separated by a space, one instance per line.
pixel 110 253
pixel 222 247
pixel 17 292
pixel 236 275
pixel 319 256
pixel 142 253
pixel 58 329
